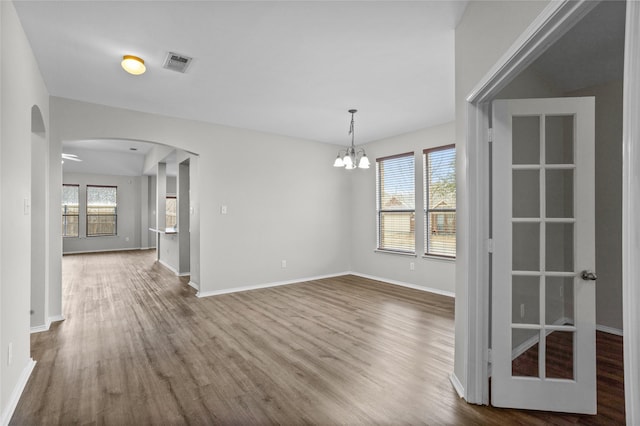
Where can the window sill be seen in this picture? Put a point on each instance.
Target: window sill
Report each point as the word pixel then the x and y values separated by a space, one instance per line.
pixel 401 253
pixel 439 258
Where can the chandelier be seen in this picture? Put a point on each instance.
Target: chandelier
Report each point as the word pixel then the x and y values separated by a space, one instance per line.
pixel 351 158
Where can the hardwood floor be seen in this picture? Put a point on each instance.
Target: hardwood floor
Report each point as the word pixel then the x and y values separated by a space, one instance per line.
pixel 137 347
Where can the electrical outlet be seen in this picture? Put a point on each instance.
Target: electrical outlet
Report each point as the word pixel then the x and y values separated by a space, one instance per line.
pixel 283 264
pixel 223 209
pixel 126 238
pixel 522 310
pixel 10 354
pixel 412 266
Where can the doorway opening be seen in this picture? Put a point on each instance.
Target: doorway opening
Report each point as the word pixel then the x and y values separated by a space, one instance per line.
pixel 553 23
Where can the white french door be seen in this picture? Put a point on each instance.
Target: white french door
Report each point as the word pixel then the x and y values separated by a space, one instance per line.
pixel 543 285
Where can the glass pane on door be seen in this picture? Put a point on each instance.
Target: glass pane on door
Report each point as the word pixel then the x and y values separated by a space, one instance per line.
pixel 526 140
pixel 559 301
pixel 526 247
pixel 526 193
pixel 559 191
pixel 525 304
pixel 525 349
pixel 559 139
pixel 559 247
pixel 559 350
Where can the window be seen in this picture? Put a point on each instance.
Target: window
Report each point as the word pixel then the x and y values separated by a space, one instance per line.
pixel 102 210
pixel 70 210
pixel 395 200
pixel 440 201
pixel 172 204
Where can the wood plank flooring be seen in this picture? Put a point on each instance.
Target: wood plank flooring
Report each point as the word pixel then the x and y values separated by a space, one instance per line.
pixel 137 347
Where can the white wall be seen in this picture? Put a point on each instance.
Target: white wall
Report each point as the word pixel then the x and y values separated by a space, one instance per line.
pixel 431 273
pixel 279 207
pixel 486 31
pixel 129 213
pixel 21 87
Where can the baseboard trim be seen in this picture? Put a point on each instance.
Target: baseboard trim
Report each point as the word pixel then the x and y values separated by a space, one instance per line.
pixel 184 274
pixel 47 326
pixel 194 285
pixel 56 318
pixel 266 285
pixel 166 265
pixel 610 330
pixel 7 413
pixel 41 328
pixel 408 285
pixel 456 384
pixel 102 251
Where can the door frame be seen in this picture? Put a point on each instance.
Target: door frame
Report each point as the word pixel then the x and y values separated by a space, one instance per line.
pixel 474 216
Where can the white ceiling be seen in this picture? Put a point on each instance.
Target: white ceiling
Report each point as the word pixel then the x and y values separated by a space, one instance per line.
pixel 291 68
pixel 112 157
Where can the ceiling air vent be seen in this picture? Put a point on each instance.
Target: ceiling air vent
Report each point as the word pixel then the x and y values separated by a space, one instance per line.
pixel 177 62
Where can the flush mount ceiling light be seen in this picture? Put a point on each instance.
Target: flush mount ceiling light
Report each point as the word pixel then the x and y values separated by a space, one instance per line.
pixel 351 158
pixel 133 64
pixel 71 157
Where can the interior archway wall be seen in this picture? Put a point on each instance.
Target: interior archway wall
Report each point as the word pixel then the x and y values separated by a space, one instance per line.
pixel 39 227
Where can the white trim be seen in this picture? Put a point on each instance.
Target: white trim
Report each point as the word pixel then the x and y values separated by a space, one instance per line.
pixel 472 267
pixel 266 285
pixel 610 330
pixel 104 251
pixel 169 267
pixel 439 258
pixel 552 23
pixel 56 318
pixel 174 270
pixel 456 385
pixel 41 328
pixel 408 285
pixel 630 206
pixel 398 253
pixel 47 326
pixel 194 285
pixel 17 392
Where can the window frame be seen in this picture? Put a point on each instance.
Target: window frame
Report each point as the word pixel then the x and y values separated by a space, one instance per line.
pixel 87 215
pixel 380 211
pixel 65 215
pixel 427 210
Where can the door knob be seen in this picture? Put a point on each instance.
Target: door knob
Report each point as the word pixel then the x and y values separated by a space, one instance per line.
pixel 588 275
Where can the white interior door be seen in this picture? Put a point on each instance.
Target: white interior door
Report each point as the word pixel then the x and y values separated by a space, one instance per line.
pixel 543 308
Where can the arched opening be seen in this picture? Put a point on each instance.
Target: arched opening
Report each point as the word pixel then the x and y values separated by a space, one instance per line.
pixel 153 191
pixel 39 227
